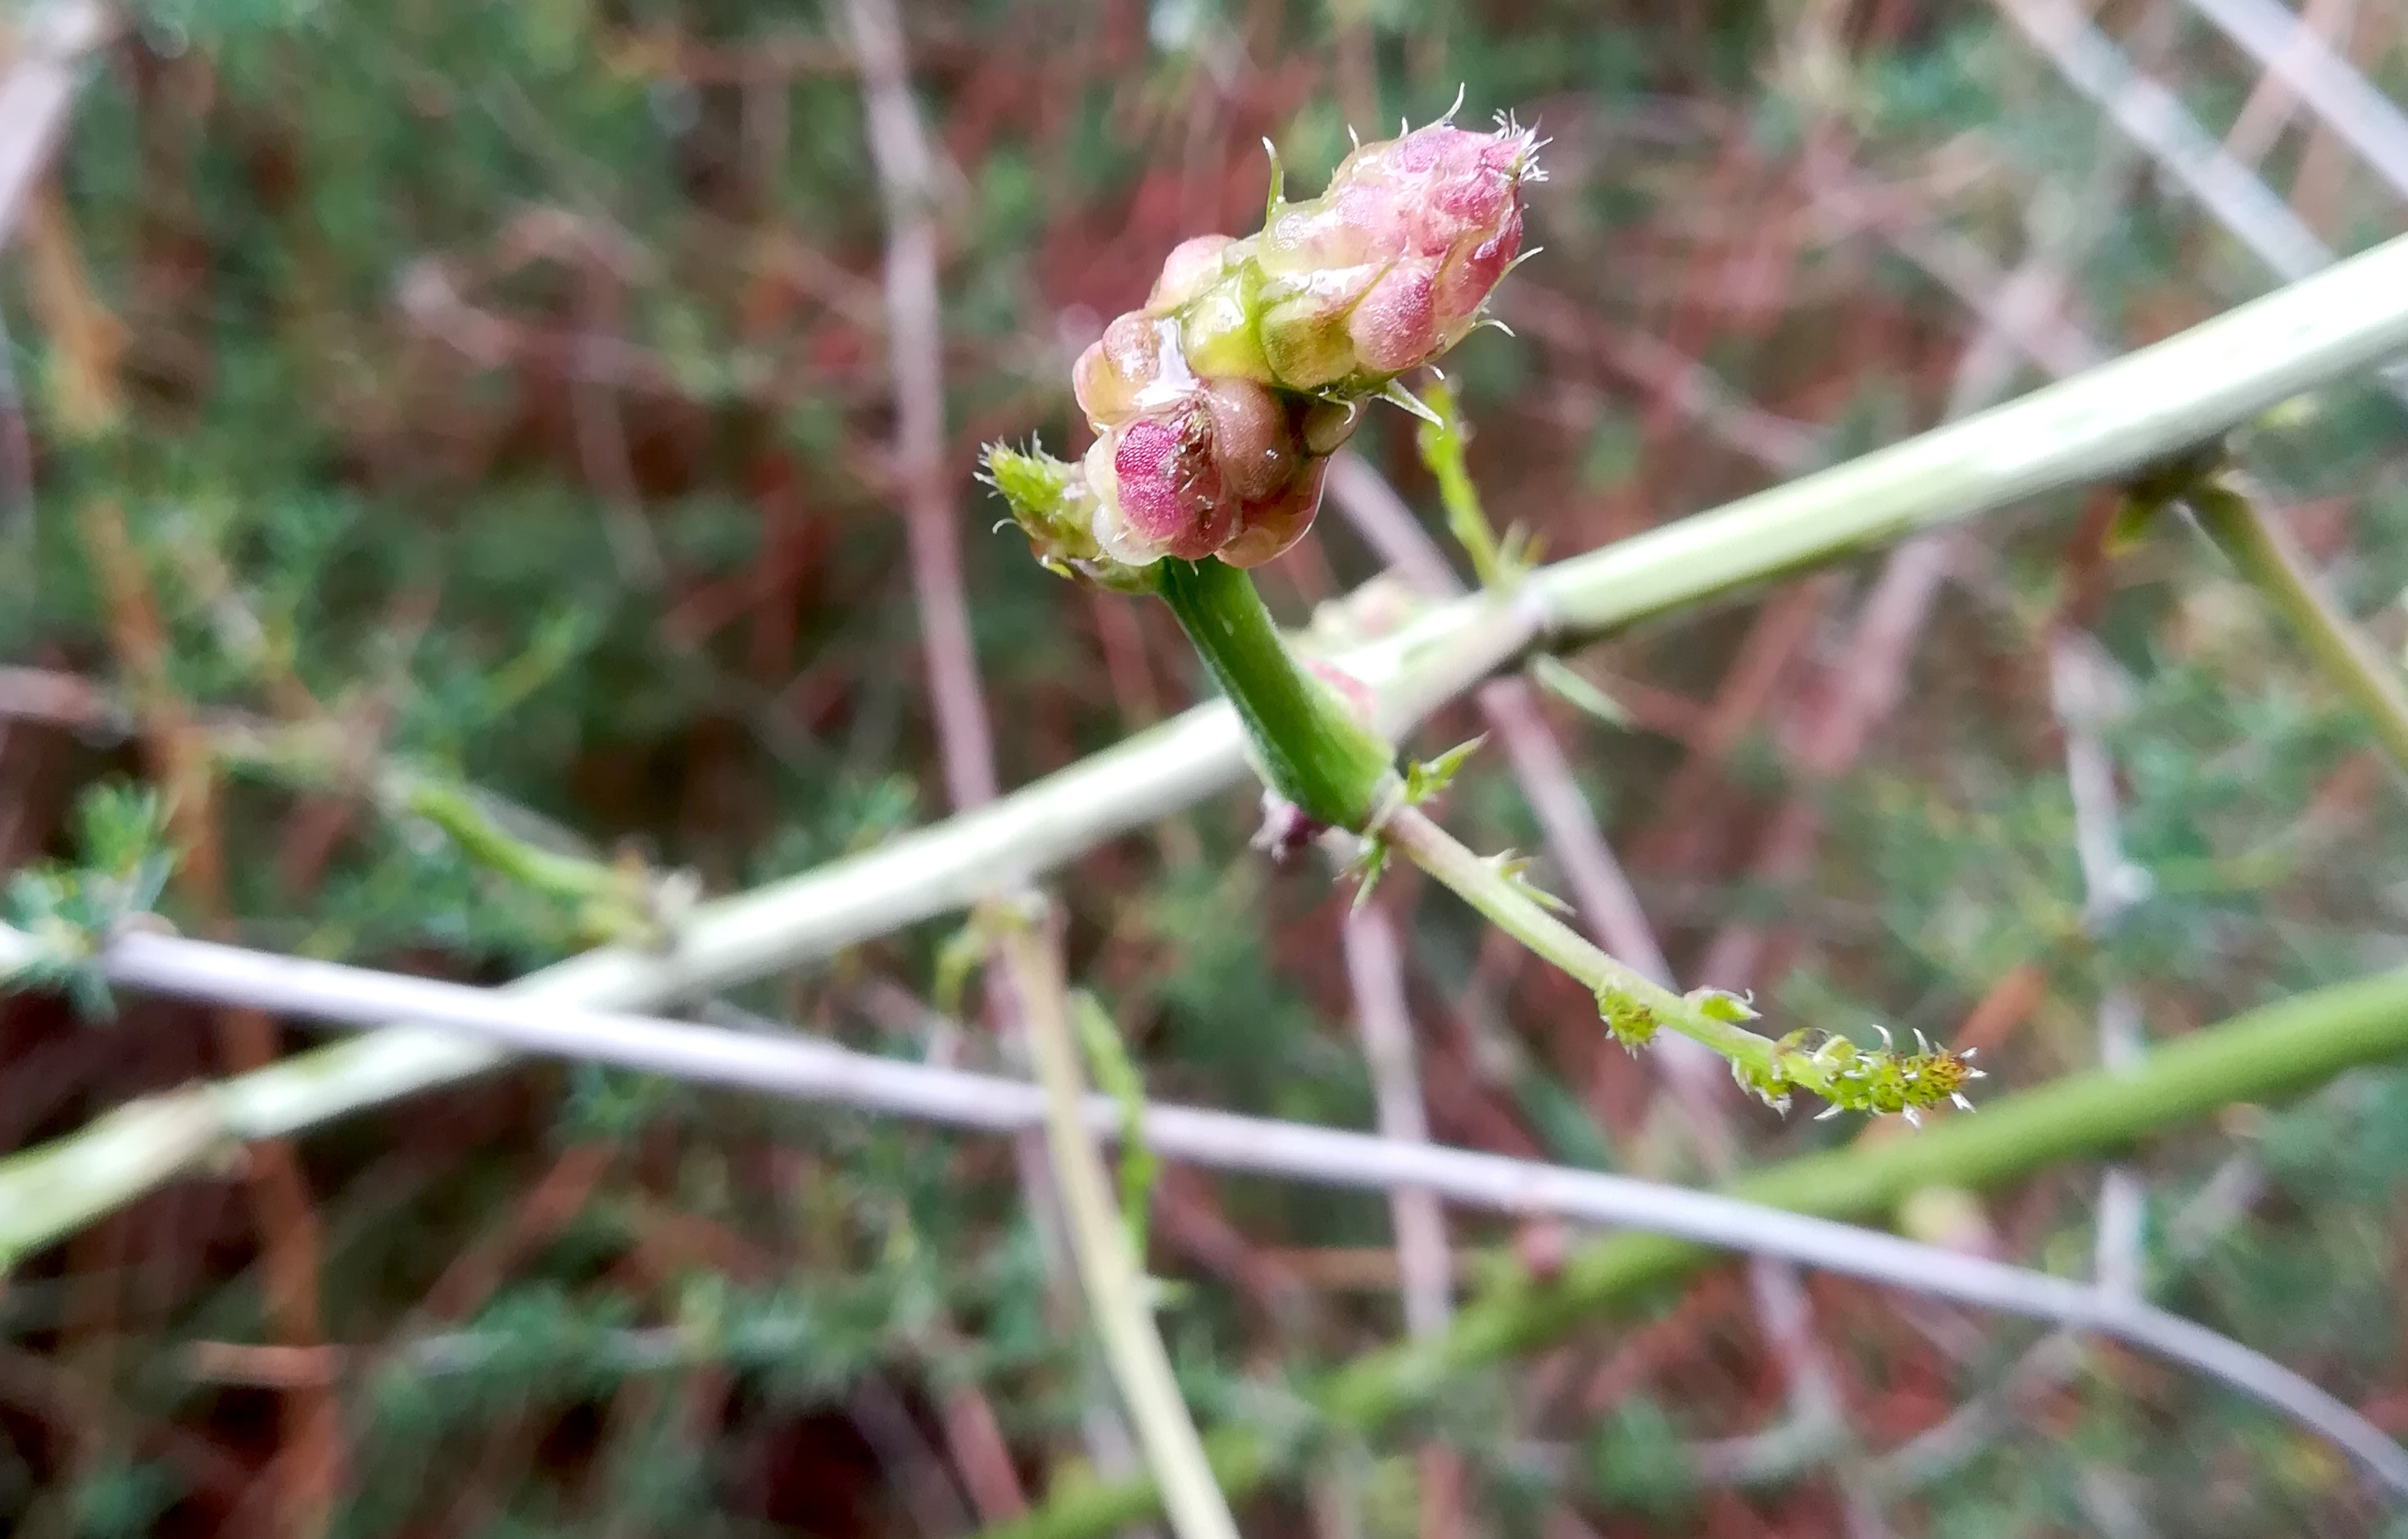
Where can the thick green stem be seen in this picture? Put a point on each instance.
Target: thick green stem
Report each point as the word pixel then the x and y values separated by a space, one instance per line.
pixel 2112 420
pixel 2280 1049
pixel 1107 1267
pixel 1312 751
pixel 2267 555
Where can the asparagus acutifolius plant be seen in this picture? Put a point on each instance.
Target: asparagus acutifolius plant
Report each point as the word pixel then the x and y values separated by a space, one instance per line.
pixel 1215 408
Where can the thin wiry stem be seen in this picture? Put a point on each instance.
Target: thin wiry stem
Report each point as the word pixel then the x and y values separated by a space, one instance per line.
pixel 1635 1005
pixel 898 144
pixel 1375 972
pixel 2236 518
pixel 1384 1023
pixel 2083 691
pixel 2274 100
pixel 2258 1055
pixel 2114 419
pixel 1111 1270
pixel 1600 889
pixel 907 178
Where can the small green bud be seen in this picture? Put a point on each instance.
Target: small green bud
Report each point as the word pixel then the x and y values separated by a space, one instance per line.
pixel 1424 779
pixel 1056 508
pixel 1632 1023
pixel 1722 1005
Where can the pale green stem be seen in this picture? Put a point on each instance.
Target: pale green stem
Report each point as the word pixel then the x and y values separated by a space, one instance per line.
pixel 611 901
pixel 1110 1271
pixel 1509 906
pixel 2264 550
pixel 1441 449
pixel 1116 1075
pixel 1318 756
pixel 2097 425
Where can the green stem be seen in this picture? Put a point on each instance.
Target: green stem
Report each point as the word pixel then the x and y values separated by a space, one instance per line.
pixel 1441 450
pixel 1108 1267
pixel 1633 1003
pixel 1313 751
pixel 2099 426
pixel 2107 422
pixel 1316 755
pixel 2267 555
pixel 611 898
pixel 2274 1051
pixel 611 901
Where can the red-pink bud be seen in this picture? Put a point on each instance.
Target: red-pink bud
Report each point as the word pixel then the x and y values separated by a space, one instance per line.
pixel 1161 493
pixel 1191 265
pixel 1255 439
pixel 1217 405
pixel 1119 365
pixel 1395 327
pixel 1389 268
pixel 1268 529
pixel 1186 477
pixel 1465 282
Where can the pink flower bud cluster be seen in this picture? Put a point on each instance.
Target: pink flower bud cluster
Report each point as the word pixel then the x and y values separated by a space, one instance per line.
pixel 1393 264
pixel 1216 406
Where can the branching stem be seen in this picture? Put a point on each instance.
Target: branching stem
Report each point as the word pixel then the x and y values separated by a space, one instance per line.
pixel 2264 550
pixel 1312 752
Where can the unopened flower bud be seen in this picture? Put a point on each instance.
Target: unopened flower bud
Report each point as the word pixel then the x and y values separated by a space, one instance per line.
pixel 1392 264
pixel 1191 266
pixel 1269 528
pixel 1217 405
pixel 1218 470
pixel 1395 326
pixel 1158 488
pixel 1255 439
pixel 1122 365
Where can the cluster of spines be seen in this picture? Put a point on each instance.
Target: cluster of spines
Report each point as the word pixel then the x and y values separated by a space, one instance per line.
pixel 1883 1081
pixel 1632 1023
